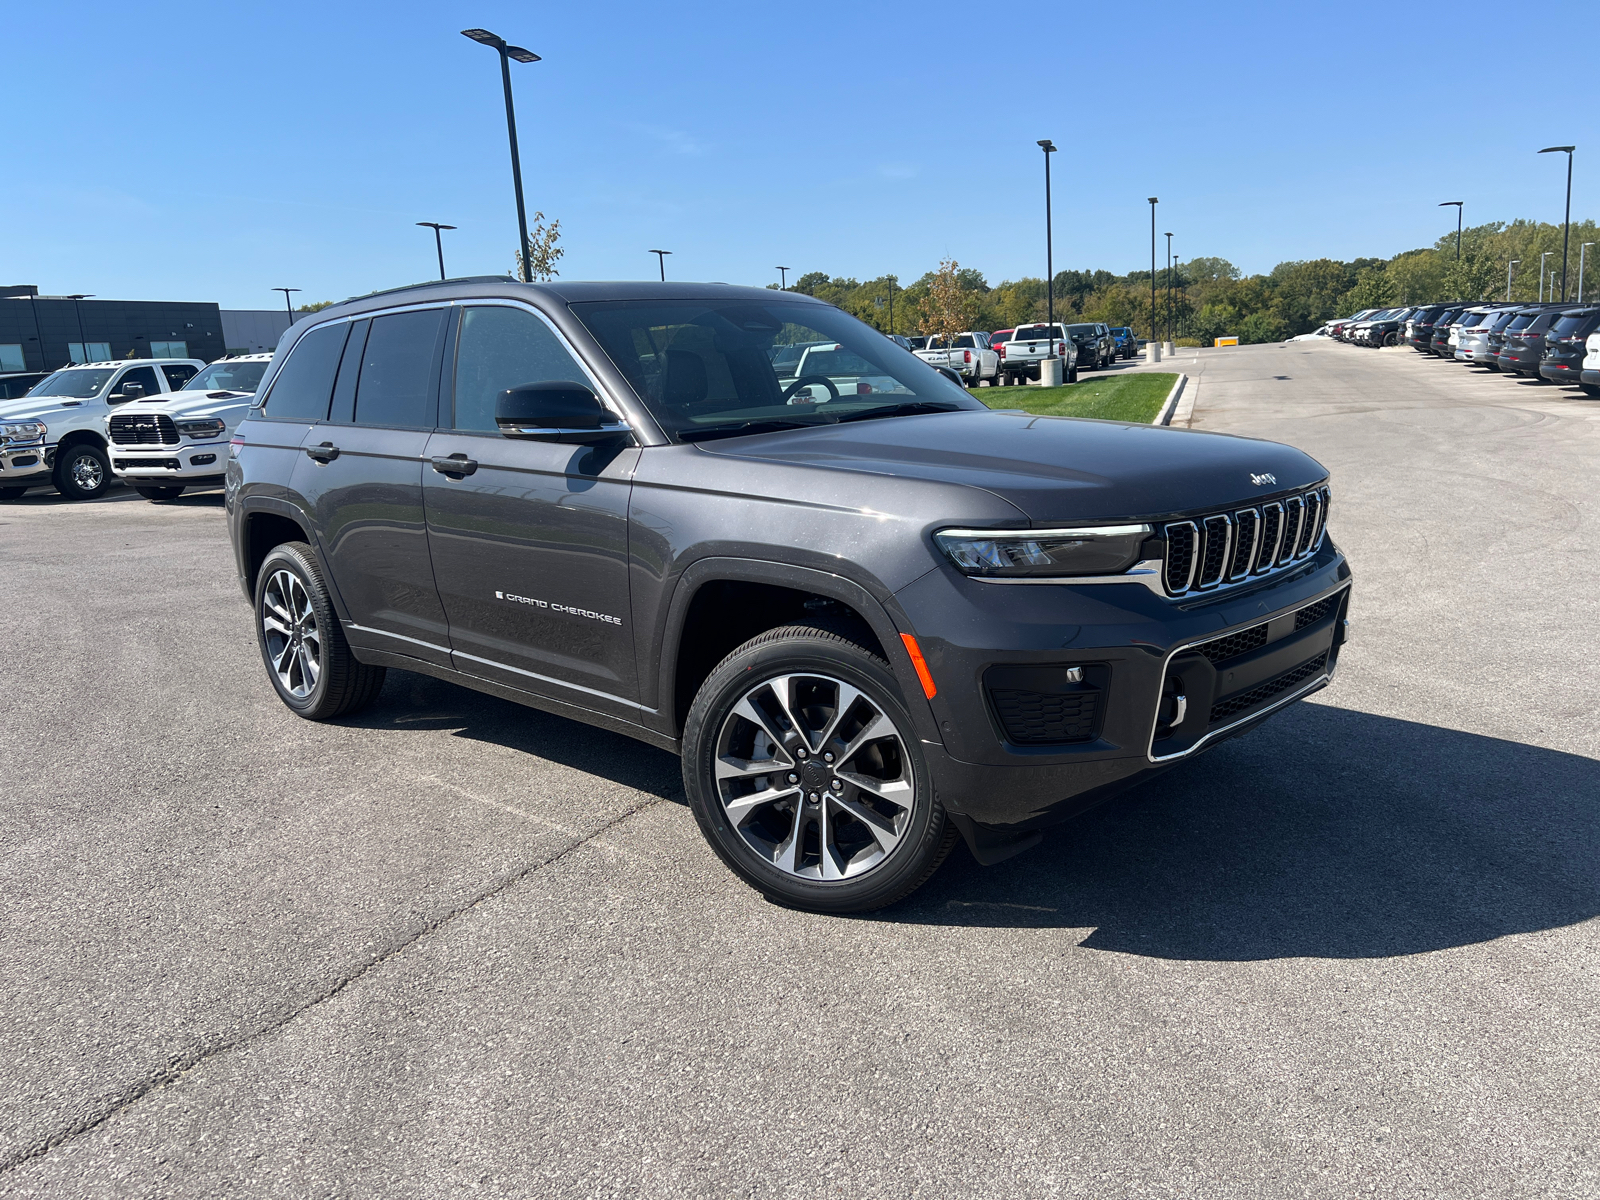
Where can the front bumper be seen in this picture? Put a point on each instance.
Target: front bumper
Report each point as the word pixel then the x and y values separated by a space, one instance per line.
pixel 1133 647
pixel 182 463
pixel 27 463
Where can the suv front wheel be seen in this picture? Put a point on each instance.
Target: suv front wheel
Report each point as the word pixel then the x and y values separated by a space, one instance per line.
pixel 302 644
pixel 807 777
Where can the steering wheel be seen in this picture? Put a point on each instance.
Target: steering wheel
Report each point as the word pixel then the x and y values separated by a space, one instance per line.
pixel 833 392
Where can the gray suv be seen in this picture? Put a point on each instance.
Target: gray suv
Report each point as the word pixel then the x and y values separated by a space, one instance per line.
pixel 872 615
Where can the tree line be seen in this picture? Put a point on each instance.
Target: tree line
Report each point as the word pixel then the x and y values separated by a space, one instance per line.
pixel 1211 298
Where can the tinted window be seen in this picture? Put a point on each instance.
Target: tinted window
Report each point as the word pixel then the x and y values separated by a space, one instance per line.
pixel 1519 321
pixel 145 377
pixel 500 348
pixel 301 390
pixel 1570 325
pixel 1540 322
pixel 397 370
pixel 178 375
pixel 1026 333
pixel 965 342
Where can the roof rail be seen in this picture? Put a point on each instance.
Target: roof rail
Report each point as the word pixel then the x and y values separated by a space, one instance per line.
pixel 408 287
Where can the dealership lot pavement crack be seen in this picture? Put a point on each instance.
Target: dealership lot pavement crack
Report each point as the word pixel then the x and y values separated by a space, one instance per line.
pixel 201 1054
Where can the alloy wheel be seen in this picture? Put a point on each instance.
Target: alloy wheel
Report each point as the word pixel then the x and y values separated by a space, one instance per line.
pixel 293 641
pixel 815 777
pixel 86 472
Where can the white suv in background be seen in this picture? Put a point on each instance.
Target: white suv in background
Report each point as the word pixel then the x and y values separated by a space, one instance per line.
pixel 161 445
pixel 56 433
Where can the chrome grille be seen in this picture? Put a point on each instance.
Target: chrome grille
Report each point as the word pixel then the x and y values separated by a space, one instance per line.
pixel 143 429
pixel 1221 548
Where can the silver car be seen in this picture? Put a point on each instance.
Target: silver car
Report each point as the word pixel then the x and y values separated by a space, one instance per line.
pixel 1470 335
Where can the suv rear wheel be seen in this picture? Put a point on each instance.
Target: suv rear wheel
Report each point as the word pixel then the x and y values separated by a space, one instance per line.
pixel 302 644
pixel 82 472
pixel 806 775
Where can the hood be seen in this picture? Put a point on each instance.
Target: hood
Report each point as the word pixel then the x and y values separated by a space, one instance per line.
pixel 228 405
pixel 1053 469
pixel 48 409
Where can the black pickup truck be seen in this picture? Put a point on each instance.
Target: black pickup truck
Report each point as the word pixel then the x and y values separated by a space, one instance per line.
pixel 871 614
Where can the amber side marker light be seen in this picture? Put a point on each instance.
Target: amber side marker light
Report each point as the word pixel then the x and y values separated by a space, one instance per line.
pixel 921 665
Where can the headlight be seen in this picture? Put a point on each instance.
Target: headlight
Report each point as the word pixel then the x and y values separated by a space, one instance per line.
pixel 1023 553
pixel 23 431
pixel 208 427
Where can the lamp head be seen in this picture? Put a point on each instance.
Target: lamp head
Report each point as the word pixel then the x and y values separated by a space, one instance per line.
pixel 1047 145
pixel 521 55
pixel 484 36
pixel 1153 200
pixel 1558 149
pixel 1448 203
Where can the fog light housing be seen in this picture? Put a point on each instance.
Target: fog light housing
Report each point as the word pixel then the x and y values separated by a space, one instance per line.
pixel 202 460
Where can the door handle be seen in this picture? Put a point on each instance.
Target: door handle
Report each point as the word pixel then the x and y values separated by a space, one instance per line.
pixel 324 453
pixel 454 464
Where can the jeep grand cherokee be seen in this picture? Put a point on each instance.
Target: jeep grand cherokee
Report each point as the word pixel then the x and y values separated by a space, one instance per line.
pixel 871 614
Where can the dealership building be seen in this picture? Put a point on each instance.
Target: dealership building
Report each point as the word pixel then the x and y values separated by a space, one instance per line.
pixel 41 333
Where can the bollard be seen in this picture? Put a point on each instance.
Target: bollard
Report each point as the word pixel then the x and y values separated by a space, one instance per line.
pixel 1152 352
pixel 1168 349
pixel 1050 373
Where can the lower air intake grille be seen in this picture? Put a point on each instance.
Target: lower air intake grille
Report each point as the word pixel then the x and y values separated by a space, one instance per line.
pixel 1034 718
pixel 1223 710
pixel 1312 613
pixel 1235 644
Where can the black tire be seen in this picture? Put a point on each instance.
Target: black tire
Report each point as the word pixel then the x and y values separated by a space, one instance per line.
pixel 12 493
pixel 1591 389
pixel 342 684
pixel 159 493
pixel 1072 374
pixel 715 733
pixel 82 472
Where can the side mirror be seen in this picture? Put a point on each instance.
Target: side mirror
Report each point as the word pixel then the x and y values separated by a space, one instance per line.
pixel 557 411
pixel 132 391
pixel 951 376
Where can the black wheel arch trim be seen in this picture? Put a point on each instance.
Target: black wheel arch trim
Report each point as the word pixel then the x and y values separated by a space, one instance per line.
pixel 272 505
pixel 880 611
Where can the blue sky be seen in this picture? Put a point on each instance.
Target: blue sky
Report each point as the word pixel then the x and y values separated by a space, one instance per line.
pixel 213 151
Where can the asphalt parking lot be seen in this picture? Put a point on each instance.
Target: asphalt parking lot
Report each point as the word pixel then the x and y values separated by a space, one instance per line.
pixel 456 945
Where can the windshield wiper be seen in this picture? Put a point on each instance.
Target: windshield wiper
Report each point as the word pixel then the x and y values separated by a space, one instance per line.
pixel 739 428
pixel 909 408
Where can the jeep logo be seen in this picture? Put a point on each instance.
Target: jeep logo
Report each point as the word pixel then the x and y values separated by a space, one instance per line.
pixel 1263 479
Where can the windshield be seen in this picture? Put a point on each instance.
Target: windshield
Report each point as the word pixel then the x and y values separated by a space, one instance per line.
pixel 708 369
pixel 1079 331
pixel 1520 321
pixel 228 377
pixel 79 384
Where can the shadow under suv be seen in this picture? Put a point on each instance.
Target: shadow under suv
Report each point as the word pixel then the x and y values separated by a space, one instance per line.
pixel 870 614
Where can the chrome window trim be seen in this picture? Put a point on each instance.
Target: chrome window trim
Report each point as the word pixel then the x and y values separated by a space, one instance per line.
pixel 1305 689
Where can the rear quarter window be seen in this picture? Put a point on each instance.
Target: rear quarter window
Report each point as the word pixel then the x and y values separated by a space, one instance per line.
pixel 305 382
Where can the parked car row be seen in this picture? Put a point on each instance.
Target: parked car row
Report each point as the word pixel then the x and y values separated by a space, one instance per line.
pixel 1558 340
pixel 160 425
pixel 1012 356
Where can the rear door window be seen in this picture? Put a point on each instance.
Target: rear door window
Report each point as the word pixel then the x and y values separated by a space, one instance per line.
pixel 305 382
pixel 397 370
pixel 500 348
pixel 1571 325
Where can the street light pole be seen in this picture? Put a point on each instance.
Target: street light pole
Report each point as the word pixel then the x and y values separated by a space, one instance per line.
pixel 783 279
pixel 1566 223
pixel 1169 287
pixel 1049 148
pixel 507 53
pixel 661 258
pixel 77 309
pixel 1581 250
pixel 1153 203
pixel 287 307
pixel 438 242
pixel 1511 270
pixel 1459 204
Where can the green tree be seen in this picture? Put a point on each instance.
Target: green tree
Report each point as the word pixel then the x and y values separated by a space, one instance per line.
pixel 314 306
pixel 542 250
pixel 1261 327
pixel 1373 289
pixel 948 308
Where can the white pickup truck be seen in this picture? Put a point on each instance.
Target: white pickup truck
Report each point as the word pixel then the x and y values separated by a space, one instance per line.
pixel 163 444
pixel 56 433
pixel 967 354
pixel 1029 345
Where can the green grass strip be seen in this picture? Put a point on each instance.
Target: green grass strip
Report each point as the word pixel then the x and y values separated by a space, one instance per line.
pixel 1126 397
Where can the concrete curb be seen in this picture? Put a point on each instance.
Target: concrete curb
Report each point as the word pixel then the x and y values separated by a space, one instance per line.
pixel 1164 417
